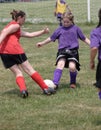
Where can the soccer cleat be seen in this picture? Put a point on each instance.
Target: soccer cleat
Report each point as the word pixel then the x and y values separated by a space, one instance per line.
pixel 56 88
pixel 49 91
pixel 72 86
pixel 24 94
pixel 94 84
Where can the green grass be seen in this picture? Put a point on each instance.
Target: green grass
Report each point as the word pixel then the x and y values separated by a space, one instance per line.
pixel 68 109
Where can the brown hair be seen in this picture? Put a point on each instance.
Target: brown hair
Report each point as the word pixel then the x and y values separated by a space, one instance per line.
pixel 99 16
pixel 15 14
pixel 68 14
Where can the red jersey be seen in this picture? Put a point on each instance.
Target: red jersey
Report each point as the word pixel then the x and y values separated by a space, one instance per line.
pixel 11 44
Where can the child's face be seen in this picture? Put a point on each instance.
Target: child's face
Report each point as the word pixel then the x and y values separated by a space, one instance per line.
pixel 67 22
pixel 21 20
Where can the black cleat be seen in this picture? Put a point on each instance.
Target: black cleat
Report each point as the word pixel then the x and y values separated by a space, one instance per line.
pixel 56 88
pixel 94 84
pixel 49 91
pixel 24 94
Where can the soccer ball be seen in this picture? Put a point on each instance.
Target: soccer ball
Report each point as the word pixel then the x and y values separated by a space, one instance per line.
pixel 49 83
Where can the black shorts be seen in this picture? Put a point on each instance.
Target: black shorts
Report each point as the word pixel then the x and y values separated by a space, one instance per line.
pixel 69 55
pixel 98 75
pixel 12 59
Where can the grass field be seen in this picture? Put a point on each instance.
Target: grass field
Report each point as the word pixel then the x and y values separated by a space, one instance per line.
pixel 68 109
pixel 43 11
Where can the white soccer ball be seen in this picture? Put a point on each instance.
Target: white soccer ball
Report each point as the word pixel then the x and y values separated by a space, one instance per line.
pixel 50 83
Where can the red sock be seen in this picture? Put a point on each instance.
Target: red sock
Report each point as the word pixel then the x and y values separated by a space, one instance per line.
pixel 21 83
pixel 39 80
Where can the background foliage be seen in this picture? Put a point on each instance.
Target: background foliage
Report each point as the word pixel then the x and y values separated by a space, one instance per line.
pixel 43 11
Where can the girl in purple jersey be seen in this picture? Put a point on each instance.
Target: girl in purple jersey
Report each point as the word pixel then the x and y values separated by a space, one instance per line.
pixel 96 48
pixel 68 45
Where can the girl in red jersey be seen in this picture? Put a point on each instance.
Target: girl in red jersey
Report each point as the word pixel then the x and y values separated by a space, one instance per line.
pixel 12 54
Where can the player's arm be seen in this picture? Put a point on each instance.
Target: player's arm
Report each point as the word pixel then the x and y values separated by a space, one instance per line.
pixel 93 53
pixel 46 41
pixel 87 41
pixel 7 31
pixel 82 36
pixel 34 34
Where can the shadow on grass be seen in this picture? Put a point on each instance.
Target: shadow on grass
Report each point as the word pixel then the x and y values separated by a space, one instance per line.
pixel 16 92
pixel 97 120
pixel 67 86
pixel 12 92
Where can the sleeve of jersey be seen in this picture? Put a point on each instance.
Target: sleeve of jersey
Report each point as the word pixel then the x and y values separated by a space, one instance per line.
pixel 80 34
pixel 94 39
pixel 55 35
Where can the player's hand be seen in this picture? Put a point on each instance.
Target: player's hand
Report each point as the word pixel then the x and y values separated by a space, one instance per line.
pixel 46 30
pixel 92 65
pixel 39 44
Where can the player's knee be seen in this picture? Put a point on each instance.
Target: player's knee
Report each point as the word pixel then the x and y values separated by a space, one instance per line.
pixel 61 64
pixel 72 66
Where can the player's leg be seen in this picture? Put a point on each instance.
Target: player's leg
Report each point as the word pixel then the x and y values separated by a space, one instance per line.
pixel 73 74
pixel 36 77
pixel 98 79
pixel 60 20
pixel 20 80
pixel 58 71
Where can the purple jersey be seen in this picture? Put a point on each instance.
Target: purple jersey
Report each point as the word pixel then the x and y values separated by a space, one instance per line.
pixel 68 37
pixel 95 38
